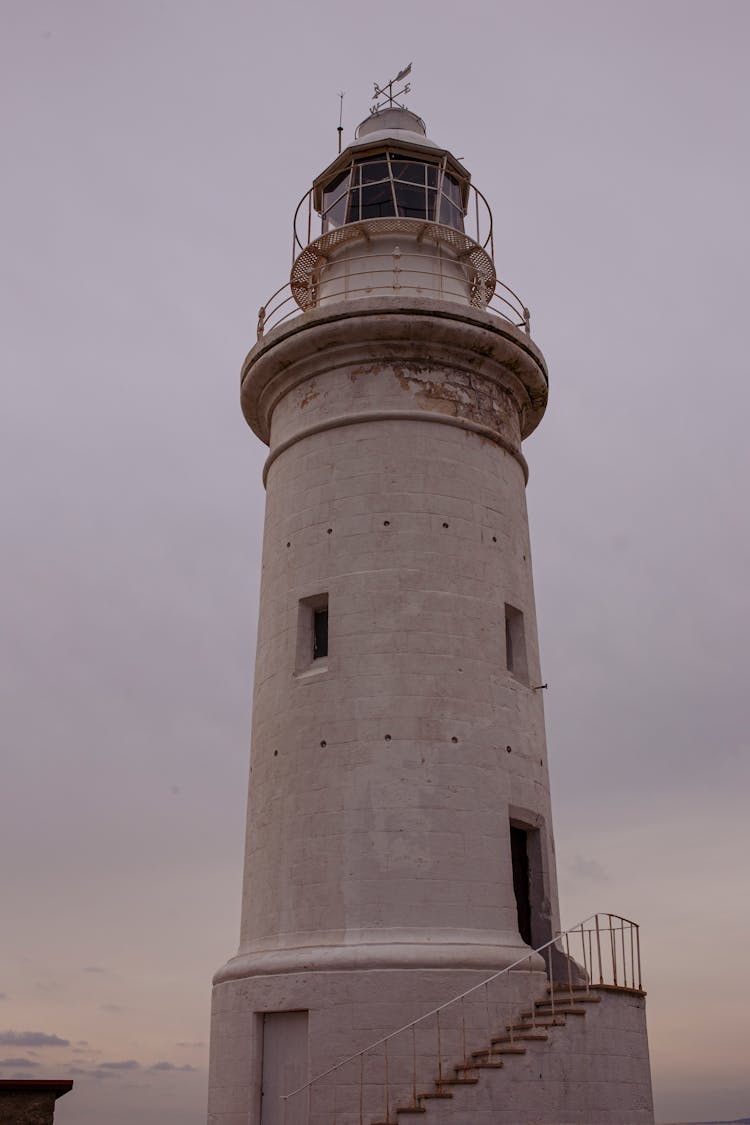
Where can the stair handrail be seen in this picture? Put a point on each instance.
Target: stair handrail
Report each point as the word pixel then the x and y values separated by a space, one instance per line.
pixel 578 929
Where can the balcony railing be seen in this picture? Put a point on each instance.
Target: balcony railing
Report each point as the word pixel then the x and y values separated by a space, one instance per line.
pixel 366 275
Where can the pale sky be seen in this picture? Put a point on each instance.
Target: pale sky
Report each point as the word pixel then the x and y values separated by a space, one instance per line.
pixel 153 156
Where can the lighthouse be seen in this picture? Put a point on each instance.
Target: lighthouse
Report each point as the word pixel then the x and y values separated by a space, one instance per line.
pixel 401 949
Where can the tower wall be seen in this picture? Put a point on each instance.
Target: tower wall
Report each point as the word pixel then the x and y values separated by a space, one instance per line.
pixel 384 778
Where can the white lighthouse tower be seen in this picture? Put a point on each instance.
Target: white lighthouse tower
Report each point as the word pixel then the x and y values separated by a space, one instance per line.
pixel 399 950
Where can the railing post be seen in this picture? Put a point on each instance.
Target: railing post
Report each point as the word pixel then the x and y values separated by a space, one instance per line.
pixel 527 321
pixel 599 949
pixel 387 1087
pixel 531 994
pixel 440 1053
pixel 362 1089
pixel 261 321
pixel 551 981
pixel 414 1064
pixel 570 967
pixel 624 960
pixel 638 946
pixel 613 944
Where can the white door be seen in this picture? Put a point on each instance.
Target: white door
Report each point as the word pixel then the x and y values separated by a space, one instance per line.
pixel 284 1068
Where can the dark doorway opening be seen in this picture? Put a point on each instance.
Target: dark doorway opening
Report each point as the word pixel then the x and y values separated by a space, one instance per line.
pixel 519 851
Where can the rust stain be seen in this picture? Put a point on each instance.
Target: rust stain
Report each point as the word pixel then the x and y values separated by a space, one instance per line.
pixel 311 395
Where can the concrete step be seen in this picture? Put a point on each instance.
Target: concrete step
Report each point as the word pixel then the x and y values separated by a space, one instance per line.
pixel 430 1094
pixel 539 1036
pixel 540 1021
pixel 507 1049
pixel 461 1081
pixel 545 1013
pixel 580 994
pixel 411 1109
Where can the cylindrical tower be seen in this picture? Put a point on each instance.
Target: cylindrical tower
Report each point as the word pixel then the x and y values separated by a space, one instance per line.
pixel 399 840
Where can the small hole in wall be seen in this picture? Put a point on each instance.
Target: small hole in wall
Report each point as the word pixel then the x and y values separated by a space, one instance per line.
pixel 494 539
pixel 323 744
pixel 445 525
pixel 289 544
pixel 454 739
pixel 524 558
pixel 386 523
pixel 388 738
pixel 275 753
pixel 541 763
pixel 330 531
pixel 508 749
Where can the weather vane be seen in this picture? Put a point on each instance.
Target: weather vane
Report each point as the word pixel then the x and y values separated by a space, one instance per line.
pixel 386 92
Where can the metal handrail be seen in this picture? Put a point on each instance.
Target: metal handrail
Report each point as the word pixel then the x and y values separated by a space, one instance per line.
pixel 596 962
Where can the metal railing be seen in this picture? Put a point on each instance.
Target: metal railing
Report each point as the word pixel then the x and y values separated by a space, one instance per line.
pixel 493 1018
pixel 360 275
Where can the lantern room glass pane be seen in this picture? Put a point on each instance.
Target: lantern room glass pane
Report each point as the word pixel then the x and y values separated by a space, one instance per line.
pixel 377 201
pixel 411 200
pixel 452 189
pixel 373 171
pixel 408 170
pixel 450 215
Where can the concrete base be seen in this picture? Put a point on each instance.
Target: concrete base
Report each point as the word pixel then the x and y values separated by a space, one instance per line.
pixel 348 1011
pixel 595 1069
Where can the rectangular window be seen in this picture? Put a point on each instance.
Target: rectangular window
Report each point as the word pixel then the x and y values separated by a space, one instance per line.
pixel 515 643
pixel 312 633
pixel 320 633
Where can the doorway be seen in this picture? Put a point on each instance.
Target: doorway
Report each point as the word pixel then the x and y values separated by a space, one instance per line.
pixel 284 1067
pixel 519 854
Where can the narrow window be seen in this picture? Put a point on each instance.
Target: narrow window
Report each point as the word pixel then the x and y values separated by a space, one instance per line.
pixel 312 633
pixel 320 633
pixel 515 643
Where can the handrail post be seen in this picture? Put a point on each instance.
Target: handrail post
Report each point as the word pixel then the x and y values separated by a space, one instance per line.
pixel 613 944
pixel 599 949
pixel 638 945
pixel 387 1087
pixel 440 1053
pixel 551 980
pixel 362 1088
pixel 570 967
pixel 261 321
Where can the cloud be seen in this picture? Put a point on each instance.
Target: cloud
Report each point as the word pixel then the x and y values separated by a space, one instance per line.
pixel 84 1051
pixel 170 1066
pixel 198 1044
pixel 589 869
pixel 111 1008
pixel 93 969
pixel 126 1064
pixel 32 1039
pixel 27 1064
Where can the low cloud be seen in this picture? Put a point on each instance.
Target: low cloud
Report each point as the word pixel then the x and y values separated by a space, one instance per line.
pixel 126 1064
pixel 170 1066
pixel 93 969
pixel 589 869
pixel 26 1064
pixel 32 1039
pixel 198 1044
pixel 111 1008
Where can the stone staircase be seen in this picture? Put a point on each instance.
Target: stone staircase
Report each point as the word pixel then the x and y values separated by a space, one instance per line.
pixel 533 1025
